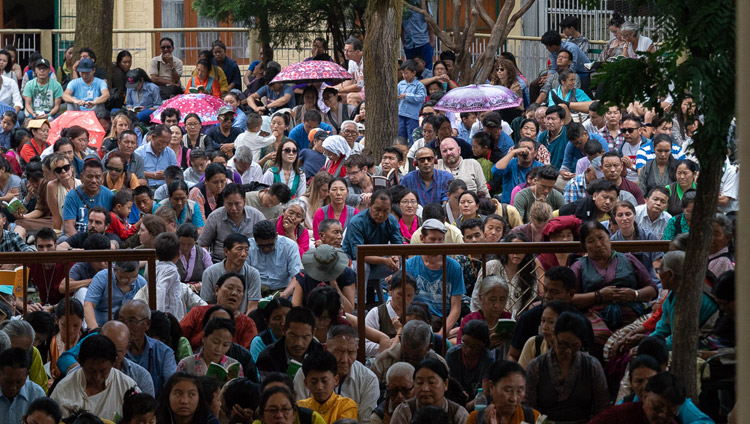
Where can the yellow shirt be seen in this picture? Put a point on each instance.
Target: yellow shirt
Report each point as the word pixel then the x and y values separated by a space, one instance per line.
pixel 37 374
pixel 335 408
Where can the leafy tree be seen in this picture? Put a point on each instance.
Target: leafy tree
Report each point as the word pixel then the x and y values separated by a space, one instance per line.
pixel 461 38
pixel 288 21
pixel 697 57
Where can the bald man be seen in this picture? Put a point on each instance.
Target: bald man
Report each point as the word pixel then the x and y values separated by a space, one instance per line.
pixel 155 356
pixel 467 170
pixel 120 336
pixel 430 184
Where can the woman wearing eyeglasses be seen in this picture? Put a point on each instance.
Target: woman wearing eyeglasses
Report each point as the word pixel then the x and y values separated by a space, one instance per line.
pixel 183 402
pixel 117 175
pixel 566 383
pixel 59 188
pixel 409 221
pixel 290 224
pixel 277 406
pixel 286 169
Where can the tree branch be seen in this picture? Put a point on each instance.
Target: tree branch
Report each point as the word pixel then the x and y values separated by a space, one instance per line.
pixel 512 22
pixel 485 16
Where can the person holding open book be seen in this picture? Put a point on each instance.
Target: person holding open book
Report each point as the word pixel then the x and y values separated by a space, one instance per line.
pixel 217 339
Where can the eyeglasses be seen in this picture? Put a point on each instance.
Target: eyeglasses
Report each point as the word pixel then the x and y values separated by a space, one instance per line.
pixel 426 159
pixel 112 169
pixel 266 246
pixel 573 347
pixel 193 124
pixel 349 132
pixel 403 390
pixel 166 47
pixel 274 411
pixel 289 150
pixel 61 169
pixel 408 202
pixel 132 321
pixel 629 130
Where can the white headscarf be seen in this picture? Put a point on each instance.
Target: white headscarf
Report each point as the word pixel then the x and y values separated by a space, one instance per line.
pixel 338 145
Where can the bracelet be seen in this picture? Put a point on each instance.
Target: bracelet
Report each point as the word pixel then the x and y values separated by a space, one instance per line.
pixel 598 298
pixel 637 295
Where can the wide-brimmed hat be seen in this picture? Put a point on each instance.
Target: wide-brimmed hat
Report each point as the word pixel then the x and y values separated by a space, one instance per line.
pixel 325 263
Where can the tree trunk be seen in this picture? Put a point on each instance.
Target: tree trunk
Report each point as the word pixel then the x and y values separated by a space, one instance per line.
pixel 688 295
pixel 94 20
pixel 383 23
pixel 264 35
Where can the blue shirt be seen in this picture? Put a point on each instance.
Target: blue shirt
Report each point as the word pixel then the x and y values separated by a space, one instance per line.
pixel 573 153
pixel 82 271
pixel 97 294
pixel 77 205
pixel 363 230
pixel 556 147
pixel 463 132
pixel 687 414
pixel 430 283
pixel 580 96
pixel 153 163
pixel 271 95
pixel 86 92
pixel 196 218
pixel 12 411
pixel 148 97
pixel 312 162
pixel 415 29
pixel 278 267
pixel 579 58
pixel 240 119
pixel 512 175
pixel 410 106
pixel 437 192
pixel 646 153
pixel 231 71
pixel 158 359
pixel 299 135
pixel 504 144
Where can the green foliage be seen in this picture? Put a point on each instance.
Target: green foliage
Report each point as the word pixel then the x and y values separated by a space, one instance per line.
pixel 696 55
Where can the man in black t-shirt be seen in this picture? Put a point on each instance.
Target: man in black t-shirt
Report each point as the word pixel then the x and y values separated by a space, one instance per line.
pixel 99 220
pixel 559 283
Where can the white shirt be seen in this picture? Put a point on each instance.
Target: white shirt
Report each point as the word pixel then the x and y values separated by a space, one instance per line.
pixel 372 320
pixel 730 186
pixel 657 227
pixel 478 127
pixel 70 394
pixel 267 179
pixel 9 93
pixel 251 174
pixel 632 152
pixel 591 128
pixel 361 386
pixel 254 141
pixel 470 172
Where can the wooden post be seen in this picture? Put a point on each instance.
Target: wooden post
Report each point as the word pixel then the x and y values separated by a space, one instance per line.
pixel 445 306
pixel 403 291
pixel 152 283
pixel 67 307
pixel 109 291
pixel 25 288
pixel 361 298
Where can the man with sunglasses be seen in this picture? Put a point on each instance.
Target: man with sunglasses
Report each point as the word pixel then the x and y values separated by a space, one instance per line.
pixel 223 135
pixel 165 70
pixel 399 383
pixel 631 131
pixel 90 194
pixel 430 184
pixel 275 257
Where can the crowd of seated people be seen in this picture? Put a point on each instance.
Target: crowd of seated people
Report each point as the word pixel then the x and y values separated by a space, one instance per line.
pixel 255 222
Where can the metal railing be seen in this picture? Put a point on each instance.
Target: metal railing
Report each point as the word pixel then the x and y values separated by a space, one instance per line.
pixel 474 249
pixel 71 257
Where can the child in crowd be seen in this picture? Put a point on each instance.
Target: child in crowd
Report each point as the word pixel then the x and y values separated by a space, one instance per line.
pixel 321 377
pixel 172 173
pixel 253 137
pixel 7 123
pixel 411 95
pixel 143 199
pixel 122 204
pixel 198 163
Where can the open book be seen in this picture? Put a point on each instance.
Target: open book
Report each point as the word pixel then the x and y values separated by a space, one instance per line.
pixel 293 367
pixel 15 206
pixel 223 374
pixel 198 89
pixel 505 327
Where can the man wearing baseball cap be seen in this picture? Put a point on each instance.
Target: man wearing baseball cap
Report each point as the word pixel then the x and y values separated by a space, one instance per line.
pixel 224 134
pixel 42 95
pixel 86 92
pixel 428 270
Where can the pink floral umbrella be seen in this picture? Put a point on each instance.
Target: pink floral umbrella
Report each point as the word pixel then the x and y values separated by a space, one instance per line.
pixel 84 119
pixel 478 98
pixel 313 71
pixel 204 105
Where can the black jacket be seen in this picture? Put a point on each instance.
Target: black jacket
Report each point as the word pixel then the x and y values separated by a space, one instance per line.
pixel 273 358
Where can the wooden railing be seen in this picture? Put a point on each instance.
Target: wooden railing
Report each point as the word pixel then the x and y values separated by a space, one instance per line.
pixel 71 257
pixel 474 249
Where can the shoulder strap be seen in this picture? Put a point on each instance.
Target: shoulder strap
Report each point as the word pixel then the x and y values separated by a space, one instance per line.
pixel 528 414
pixel 505 210
pixel 538 344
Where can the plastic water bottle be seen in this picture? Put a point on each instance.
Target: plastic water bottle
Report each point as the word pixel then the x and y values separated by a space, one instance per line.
pixel 480 402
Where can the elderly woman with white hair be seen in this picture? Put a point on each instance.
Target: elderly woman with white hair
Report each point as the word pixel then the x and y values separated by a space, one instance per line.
pixel 350 132
pixel 491 296
pixel 22 335
pixel 243 163
pixel 399 386
pixel 291 224
pixel 336 149
pixel 635 42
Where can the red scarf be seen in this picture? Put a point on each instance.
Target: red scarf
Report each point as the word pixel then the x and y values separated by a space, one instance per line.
pixel 408 232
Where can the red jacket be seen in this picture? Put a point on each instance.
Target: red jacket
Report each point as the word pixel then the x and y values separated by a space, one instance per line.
pixel 192 327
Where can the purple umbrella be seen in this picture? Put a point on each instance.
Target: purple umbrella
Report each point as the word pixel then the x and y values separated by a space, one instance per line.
pixel 313 71
pixel 478 98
